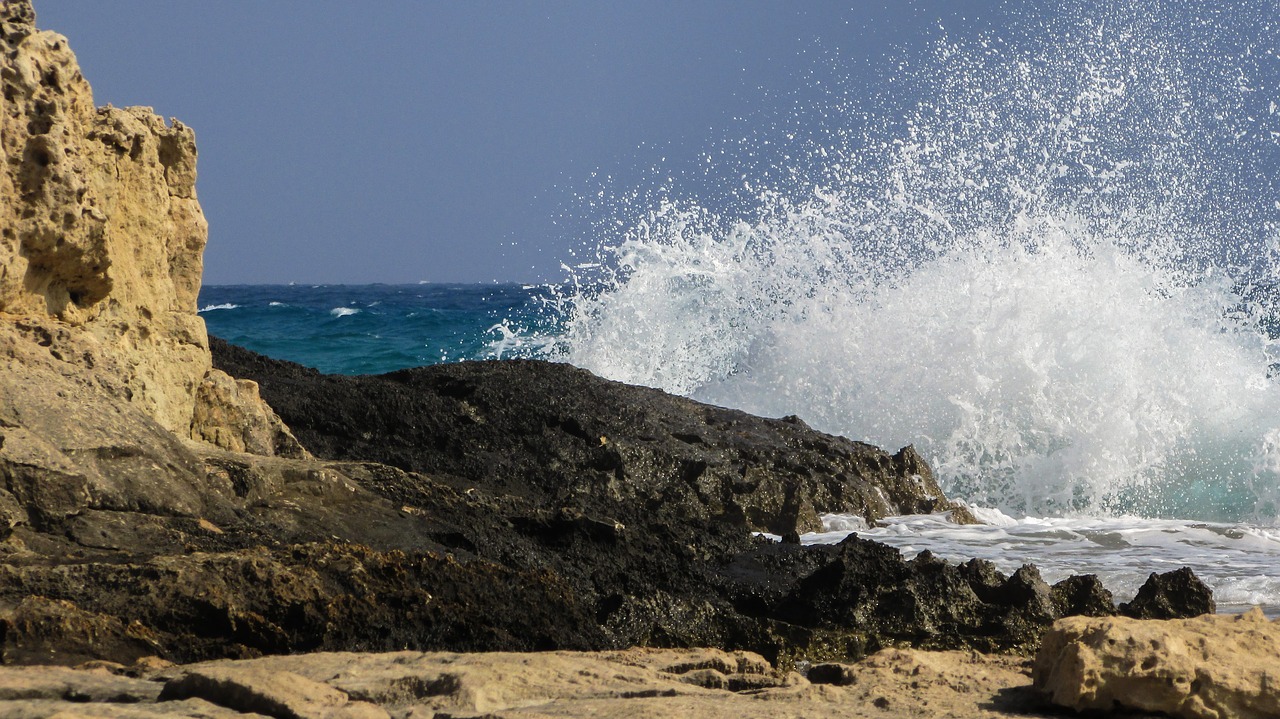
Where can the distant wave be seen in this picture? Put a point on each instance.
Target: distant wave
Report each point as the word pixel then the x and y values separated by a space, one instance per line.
pixel 343 311
pixel 225 306
pixel 277 304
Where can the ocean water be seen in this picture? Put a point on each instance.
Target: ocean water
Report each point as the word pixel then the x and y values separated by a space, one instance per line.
pixel 1048 258
pixel 370 329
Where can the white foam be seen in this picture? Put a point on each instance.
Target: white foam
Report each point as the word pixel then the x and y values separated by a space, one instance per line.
pixel 344 311
pixel 224 306
pixel 1040 275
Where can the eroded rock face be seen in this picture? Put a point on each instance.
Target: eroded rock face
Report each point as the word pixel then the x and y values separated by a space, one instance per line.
pixel 100 227
pixel 1208 667
pixel 101 243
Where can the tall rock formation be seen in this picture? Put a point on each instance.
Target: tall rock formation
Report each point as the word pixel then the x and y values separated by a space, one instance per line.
pixel 101 243
pixel 100 229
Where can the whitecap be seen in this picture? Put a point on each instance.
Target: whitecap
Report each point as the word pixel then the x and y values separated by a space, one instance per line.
pixel 224 306
pixel 344 311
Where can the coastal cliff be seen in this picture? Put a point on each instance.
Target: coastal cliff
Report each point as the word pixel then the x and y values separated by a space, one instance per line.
pixel 154 508
pixel 101 244
pixel 102 231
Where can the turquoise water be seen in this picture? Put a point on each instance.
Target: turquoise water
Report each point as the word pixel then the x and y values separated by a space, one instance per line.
pixel 370 329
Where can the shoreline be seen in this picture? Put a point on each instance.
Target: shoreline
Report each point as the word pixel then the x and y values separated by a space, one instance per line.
pixel 475 539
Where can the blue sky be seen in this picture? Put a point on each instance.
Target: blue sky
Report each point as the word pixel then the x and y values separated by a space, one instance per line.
pixel 403 141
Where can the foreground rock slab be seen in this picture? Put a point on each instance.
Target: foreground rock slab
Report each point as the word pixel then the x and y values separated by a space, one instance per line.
pixel 1209 667
pixel 631 683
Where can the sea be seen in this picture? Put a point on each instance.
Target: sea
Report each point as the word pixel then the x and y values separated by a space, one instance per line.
pixel 1047 257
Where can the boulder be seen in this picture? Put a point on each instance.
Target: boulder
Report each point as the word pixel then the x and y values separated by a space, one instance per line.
pixel 1171 595
pixel 1207 667
pixel 230 414
pixel 561 436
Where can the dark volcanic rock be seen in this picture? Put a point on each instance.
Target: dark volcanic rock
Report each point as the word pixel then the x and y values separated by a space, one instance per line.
pixel 1172 595
pixel 560 436
pixel 1083 595
pixel 925 602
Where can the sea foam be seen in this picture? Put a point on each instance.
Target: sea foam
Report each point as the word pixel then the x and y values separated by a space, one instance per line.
pixel 1053 272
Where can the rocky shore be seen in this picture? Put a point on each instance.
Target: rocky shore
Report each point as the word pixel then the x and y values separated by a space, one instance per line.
pixel 204 531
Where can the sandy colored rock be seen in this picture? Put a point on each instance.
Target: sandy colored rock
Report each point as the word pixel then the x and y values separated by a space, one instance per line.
pixel 101 228
pixel 67 444
pixel 230 414
pixel 102 237
pixel 645 683
pixel 85 685
pixel 1209 667
pixel 187 709
pixel 284 695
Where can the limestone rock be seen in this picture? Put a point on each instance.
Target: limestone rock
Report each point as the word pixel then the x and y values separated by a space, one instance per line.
pixel 493 682
pixel 229 413
pixel 67 444
pixel 61 709
pixel 1208 667
pixel 86 685
pixel 661 683
pixel 100 224
pixel 280 694
pixel 101 239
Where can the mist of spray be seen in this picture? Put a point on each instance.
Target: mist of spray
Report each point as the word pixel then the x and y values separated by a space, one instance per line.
pixel 1052 271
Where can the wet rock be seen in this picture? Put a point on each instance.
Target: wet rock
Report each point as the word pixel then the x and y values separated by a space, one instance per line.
pixel 1172 595
pixel 925 602
pixel 1208 667
pixel 561 436
pixel 1083 595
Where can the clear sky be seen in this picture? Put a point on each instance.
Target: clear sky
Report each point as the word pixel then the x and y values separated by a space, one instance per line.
pixel 399 141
